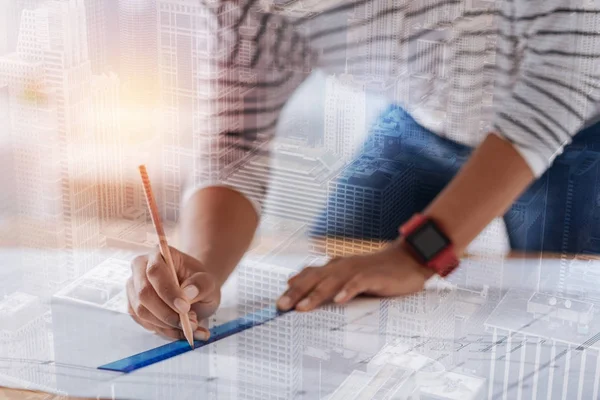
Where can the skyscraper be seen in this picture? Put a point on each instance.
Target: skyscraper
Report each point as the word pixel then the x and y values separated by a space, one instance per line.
pixel 131 42
pixel 192 96
pixel 5 28
pixel 138 30
pixel 446 12
pixel 109 146
pixel 467 54
pixel 428 70
pixel 269 357
pixel 363 208
pixel 7 205
pixel 141 135
pixel 432 61
pixel 10 20
pixel 426 320
pixel 298 176
pixel 35 144
pixel 97 34
pixel 319 328
pixel 49 79
pixel 213 115
pixel 567 178
pixel 345 115
pixel 373 40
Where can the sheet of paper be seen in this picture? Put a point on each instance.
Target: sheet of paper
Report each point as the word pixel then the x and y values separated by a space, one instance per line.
pixel 495 330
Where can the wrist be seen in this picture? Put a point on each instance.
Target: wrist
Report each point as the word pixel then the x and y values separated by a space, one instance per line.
pixel 428 244
pixel 404 256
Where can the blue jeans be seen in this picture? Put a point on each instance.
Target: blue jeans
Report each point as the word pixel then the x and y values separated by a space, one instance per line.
pixel 403 167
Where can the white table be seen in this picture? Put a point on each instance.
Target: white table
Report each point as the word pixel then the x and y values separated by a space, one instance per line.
pixel 494 331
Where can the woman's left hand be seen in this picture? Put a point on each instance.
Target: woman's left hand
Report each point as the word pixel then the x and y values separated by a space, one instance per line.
pixel 388 272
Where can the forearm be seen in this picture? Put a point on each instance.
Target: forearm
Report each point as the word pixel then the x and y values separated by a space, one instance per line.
pixel 217 226
pixel 484 188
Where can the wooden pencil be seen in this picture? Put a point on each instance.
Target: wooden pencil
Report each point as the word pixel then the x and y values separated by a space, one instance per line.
pixel 164 246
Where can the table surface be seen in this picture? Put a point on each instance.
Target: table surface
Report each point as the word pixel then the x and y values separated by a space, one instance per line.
pixel 500 327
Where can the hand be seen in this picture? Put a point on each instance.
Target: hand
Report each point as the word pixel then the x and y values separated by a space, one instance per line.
pixel 155 299
pixel 388 272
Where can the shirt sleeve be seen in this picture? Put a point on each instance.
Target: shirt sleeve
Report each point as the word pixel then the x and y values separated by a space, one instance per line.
pixel 249 66
pixel 548 76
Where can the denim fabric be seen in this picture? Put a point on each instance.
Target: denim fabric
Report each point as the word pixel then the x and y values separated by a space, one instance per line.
pixel 403 167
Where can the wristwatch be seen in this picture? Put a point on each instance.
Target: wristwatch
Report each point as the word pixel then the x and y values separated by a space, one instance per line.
pixel 428 243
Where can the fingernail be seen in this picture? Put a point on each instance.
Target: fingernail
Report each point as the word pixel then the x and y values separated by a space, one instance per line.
pixel 192 315
pixel 201 335
pixel 340 296
pixel 182 306
pixel 284 303
pixel 304 303
pixel 190 292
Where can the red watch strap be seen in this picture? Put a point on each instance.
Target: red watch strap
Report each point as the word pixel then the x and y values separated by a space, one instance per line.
pixel 445 262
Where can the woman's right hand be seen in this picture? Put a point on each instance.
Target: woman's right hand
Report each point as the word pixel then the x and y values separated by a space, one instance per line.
pixel 155 298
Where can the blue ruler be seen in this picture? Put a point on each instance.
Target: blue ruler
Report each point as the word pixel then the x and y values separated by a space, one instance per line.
pixel 173 349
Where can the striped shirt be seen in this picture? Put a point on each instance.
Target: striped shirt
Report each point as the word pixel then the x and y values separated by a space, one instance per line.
pixel 528 69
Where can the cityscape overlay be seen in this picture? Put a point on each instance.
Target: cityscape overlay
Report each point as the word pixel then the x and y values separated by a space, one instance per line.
pixel 90 89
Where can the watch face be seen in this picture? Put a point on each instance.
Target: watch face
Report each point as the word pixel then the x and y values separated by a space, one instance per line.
pixel 428 241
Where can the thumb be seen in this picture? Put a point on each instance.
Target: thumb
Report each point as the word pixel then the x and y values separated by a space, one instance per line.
pixel 199 288
pixel 201 291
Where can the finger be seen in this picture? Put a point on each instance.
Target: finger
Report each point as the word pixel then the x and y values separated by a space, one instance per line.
pixel 355 286
pixel 167 332
pixel 148 300
pixel 323 292
pixel 193 319
pixel 146 325
pixel 165 284
pixel 147 315
pixel 203 324
pixel 137 319
pixel 136 308
pixel 201 333
pixel 198 331
pixel 305 282
pixel 293 278
pixel 139 262
pixel 170 333
pixel 301 273
pixel 200 287
pixel 133 314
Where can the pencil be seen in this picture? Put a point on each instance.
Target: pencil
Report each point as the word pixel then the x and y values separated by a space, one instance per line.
pixel 164 246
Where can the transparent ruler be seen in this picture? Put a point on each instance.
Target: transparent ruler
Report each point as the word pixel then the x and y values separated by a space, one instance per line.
pixel 173 349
